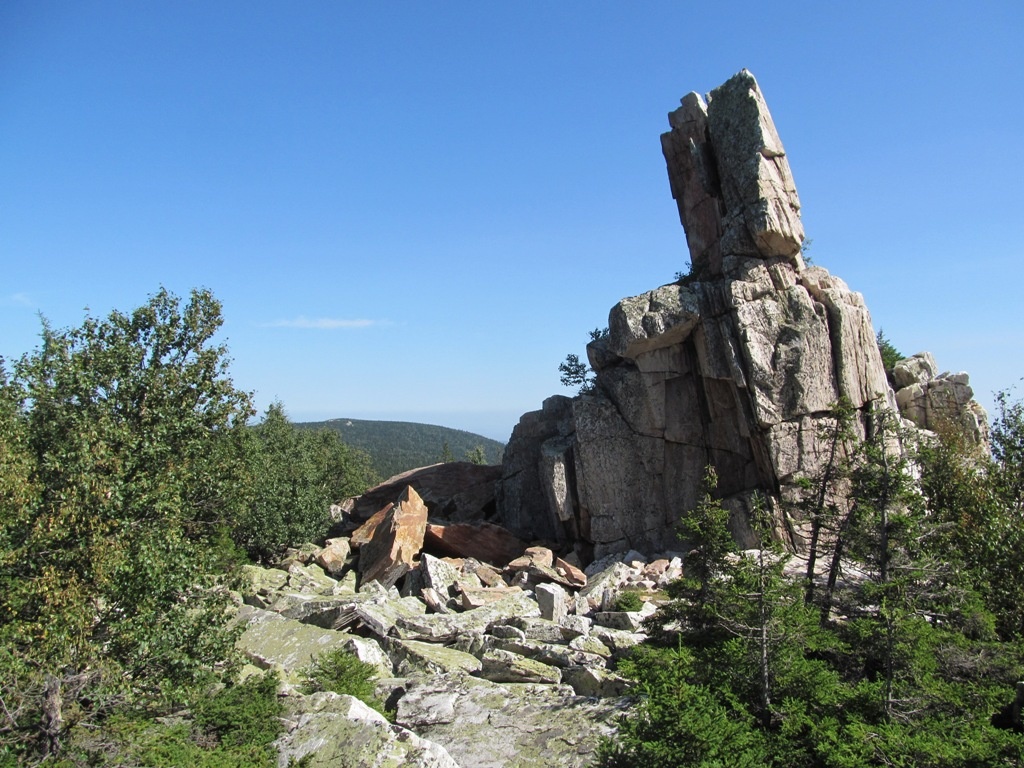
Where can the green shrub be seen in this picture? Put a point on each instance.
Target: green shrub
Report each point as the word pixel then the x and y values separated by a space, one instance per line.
pixel 231 729
pixel 244 714
pixel 890 355
pixel 296 474
pixel 342 672
pixel 119 472
pixel 628 600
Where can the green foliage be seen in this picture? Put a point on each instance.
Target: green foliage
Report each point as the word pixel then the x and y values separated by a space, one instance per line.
pixel 628 600
pixel 121 470
pixel 296 475
pixel 1008 449
pixel 575 373
pixel 979 503
pixel 447 457
pixel 679 723
pixel 477 456
pixel 822 500
pixel 232 729
pixel 805 251
pixel 698 595
pixel 342 672
pixel 890 355
pixel 910 674
pixel 398 446
pixel 244 714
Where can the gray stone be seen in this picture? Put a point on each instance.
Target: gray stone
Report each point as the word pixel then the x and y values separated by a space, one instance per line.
pixel 369 652
pixel 618 640
pixel 550 653
pixel 578 625
pixel 590 644
pixel 379 614
pixel 411 656
pixel 439 575
pixel 285 645
pixel 551 599
pixel 310 579
pixel 940 403
pixel 736 366
pixel 629 621
pixel 538 628
pixel 500 666
pixel 486 725
pixel 441 628
pixel 336 731
pixel 594 681
pixel 612 578
pixel 916 369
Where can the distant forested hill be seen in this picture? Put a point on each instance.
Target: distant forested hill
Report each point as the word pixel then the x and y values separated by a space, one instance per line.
pixel 395 446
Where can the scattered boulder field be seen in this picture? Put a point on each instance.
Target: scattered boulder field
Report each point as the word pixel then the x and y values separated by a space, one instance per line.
pixel 500 662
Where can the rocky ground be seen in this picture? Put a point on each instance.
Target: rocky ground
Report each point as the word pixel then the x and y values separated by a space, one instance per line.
pixel 484 664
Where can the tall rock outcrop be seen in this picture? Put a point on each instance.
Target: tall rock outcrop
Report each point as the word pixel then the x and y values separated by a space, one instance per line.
pixel 735 366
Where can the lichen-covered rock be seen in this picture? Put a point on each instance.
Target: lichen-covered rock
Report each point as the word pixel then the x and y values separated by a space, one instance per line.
pixel 553 602
pixel 270 641
pixel 486 725
pixel 440 628
pixel 335 731
pixel 594 681
pixel 379 613
pixel 501 666
pixel 410 656
pixel 310 579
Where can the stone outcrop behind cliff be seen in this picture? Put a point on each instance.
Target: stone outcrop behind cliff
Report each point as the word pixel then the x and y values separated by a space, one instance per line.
pixel 736 366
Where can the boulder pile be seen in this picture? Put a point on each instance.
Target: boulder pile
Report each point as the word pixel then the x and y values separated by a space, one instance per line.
pixel 474 657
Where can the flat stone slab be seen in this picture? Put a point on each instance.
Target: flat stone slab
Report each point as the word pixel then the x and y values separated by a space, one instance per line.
pixel 488 725
pixel 336 731
pixel 285 645
pixel 411 656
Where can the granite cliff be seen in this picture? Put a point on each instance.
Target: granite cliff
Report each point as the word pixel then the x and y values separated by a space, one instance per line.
pixel 735 366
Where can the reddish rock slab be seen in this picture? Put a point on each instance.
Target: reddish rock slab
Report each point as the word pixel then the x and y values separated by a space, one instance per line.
pixel 396 541
pixel 542 557
pixel 486 542
pixel 333 556
pixel 457 491
pixel 572 575
pixel 364 532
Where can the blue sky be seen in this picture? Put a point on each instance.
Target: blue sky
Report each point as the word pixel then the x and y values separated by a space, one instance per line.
pixel 414 210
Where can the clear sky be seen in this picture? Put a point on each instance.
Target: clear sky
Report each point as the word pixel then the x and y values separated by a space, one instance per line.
pixel 414 210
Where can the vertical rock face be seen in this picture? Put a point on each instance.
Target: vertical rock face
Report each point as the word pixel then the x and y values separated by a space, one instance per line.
pixel 735 366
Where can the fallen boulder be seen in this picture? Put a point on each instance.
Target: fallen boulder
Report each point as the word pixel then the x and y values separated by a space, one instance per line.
pixel 396 541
